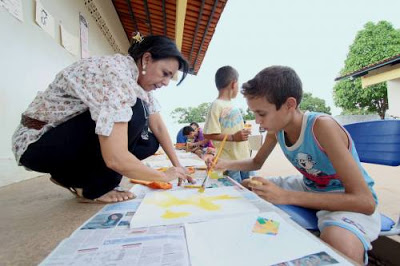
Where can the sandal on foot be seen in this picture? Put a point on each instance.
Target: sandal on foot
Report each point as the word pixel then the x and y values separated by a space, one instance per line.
pixel 70 189
pixel 82 199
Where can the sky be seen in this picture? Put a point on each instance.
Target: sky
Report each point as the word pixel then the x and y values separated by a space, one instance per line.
pixel 311 36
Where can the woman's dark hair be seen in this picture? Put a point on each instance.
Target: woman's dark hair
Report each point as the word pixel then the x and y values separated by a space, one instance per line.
pixel 160 47
pixel 276 84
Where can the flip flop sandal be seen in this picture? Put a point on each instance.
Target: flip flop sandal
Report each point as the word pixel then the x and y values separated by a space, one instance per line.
pixel 82 199
pixel 70 189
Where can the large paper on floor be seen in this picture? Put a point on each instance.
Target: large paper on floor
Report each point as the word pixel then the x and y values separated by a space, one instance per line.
pixel 234 241
pixel 182 206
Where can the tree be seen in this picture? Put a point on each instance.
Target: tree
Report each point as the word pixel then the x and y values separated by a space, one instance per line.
pixel 191 114
pixel 314 104
pixel 249 115
pixel 372 44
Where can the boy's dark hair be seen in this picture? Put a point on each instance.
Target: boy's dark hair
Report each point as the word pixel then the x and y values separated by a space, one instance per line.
pixel 160 47
pixel 224 76
pixel 276 84
pixel 186 130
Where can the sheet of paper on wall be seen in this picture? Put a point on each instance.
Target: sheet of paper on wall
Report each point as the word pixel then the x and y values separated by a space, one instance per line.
pixel 188 205
pixel 14 7
pixel 44 19
pixel 69 41
pixel 208 242
pixel 84 36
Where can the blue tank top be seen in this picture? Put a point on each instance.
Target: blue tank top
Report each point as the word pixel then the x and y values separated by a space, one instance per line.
pixel 310 160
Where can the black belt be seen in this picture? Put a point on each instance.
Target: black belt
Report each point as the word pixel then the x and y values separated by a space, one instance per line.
pixel 32 123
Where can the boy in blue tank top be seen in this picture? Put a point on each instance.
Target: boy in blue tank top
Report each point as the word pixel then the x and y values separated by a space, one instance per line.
pixel 332 181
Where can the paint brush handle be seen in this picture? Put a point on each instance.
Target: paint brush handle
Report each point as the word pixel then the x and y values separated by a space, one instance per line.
pixel 214 162
pixel 203 185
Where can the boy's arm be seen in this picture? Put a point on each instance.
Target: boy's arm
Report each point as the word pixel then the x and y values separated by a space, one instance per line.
pixel 253 163
pixel 241 135
pixel 356 198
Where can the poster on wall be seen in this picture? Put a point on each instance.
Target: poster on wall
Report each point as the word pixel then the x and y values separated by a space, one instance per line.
pixel 69 41
pixel 44 19
pixel 14 7
pixel 84 34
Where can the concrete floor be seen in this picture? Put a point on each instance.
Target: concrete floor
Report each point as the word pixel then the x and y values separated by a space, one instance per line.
pixel 37 215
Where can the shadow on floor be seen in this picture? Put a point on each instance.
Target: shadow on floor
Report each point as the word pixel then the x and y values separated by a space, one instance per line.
pixel 385 252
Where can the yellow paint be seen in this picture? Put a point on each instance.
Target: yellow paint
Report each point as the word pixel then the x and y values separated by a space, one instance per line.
pixel 198 200
pixel 172 215
pixel 216 174
pixel 192 186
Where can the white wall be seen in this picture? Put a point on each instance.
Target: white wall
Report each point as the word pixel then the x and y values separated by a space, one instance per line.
pixel 30 58
pixel 393 87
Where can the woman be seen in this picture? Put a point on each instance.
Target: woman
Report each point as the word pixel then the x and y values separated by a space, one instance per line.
pixel 90 127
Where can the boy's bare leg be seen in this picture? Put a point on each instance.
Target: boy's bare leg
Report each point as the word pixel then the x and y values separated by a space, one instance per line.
pixel 344 241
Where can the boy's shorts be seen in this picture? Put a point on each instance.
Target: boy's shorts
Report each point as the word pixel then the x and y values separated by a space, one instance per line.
pixel 365 227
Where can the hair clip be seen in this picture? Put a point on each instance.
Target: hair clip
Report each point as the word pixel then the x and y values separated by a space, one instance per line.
pixel 137 38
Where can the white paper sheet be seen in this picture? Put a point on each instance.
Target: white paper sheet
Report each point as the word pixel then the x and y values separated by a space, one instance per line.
pixel 231 242
pixel 14 7
pixel 188 205
pixel 69 41
pixel 44 19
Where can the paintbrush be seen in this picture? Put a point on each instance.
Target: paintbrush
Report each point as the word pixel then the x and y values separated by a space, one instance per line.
pixel 214 162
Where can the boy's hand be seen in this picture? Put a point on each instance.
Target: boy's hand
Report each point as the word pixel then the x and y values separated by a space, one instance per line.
pixel 221 165
pixel 241 135
pixel 266 190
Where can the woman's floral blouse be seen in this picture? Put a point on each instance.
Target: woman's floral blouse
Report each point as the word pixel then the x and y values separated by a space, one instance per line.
pixel 106 85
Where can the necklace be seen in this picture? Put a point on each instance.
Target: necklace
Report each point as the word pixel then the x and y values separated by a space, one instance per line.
pixel 145 131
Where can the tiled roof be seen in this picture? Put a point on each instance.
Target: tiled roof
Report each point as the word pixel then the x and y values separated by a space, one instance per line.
pixel 364 71
pixel 158 17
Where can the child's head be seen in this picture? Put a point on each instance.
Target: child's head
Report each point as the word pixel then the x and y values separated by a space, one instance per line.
pixel 188 132
pixel 227 77
pixel 194 125
pixel 276 84
pixel 274 95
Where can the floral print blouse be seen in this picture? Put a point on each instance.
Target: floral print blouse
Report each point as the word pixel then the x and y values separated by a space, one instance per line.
pixel 106 85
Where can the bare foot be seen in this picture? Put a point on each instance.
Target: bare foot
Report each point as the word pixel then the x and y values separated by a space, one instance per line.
pixel 109 197
pixel 115 196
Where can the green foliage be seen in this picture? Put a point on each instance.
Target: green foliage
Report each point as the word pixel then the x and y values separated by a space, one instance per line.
pixel 374 43
pixel 249 115
pixel 314 104
pixel 191 114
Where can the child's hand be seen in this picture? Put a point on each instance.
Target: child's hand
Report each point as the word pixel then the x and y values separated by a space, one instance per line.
pixel 241 135
pixel 267 190
pixel 221 165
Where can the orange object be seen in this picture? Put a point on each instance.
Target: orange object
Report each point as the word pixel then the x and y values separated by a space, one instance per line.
pixel 247 126
pixel 190 169
pixel 160 185
pixel 180 145
pixel 162 169
pixel 153 184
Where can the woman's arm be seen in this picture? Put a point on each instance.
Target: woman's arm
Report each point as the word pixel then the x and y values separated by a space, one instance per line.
pixel 117 157
pixel 159 129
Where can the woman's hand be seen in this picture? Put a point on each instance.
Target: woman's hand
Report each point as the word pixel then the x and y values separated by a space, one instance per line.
pixel 266 190
pixel 178 172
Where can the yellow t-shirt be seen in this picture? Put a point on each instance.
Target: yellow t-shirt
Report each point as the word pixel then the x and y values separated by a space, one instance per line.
pixel 224 118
